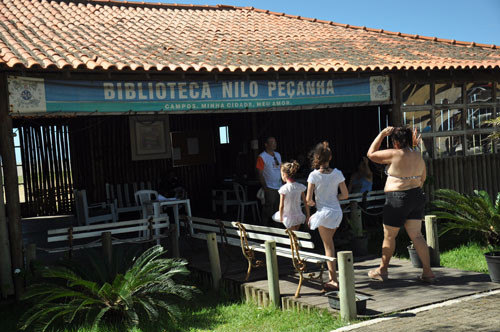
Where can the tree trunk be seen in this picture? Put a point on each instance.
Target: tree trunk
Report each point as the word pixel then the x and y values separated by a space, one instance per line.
pixel 6 282
pixel 11 187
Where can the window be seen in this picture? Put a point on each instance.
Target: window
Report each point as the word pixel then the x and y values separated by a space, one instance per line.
pixel 479 92
pixel 416 94
pixel 418 119
pixel 477 117
pixel 224 135
pixel 447 120
pixel 448 93
pixel 455 124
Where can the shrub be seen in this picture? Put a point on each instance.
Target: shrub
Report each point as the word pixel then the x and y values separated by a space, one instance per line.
pixel 469 212
pixel 148 291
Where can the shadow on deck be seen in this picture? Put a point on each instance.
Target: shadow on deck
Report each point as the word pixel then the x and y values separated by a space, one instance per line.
pixel 401 292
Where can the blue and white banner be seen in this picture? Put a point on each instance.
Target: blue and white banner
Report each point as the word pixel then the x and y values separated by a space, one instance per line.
pixel 36 95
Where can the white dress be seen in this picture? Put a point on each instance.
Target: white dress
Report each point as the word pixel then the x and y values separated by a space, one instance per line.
pixel 326 187
pixel 292 212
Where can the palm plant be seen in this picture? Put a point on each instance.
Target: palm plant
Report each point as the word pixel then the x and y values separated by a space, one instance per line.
pixel 495 135
pixel 469 212
pixel 147 291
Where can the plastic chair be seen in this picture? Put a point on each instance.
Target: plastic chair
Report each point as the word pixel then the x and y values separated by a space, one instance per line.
pixel 241 197
pixel 141 198
pixel 93 213
pixel 144 196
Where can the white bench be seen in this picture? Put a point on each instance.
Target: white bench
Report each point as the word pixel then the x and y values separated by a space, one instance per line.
pixel 133 231
pixel 376 199
pixel 251 238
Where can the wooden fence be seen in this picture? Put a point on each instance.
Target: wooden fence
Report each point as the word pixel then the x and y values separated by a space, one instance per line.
pixel 464 174
pixel 46 171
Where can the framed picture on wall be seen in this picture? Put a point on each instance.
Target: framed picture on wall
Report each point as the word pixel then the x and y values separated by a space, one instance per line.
pixel 150 137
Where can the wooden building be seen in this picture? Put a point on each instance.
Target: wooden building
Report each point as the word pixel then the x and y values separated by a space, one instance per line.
pixel 112 92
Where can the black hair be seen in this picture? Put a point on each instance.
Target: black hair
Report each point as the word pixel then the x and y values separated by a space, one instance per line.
pixel 403 136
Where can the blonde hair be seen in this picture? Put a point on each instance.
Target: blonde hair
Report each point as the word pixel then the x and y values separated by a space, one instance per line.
pixel 290 168
pixel 320 155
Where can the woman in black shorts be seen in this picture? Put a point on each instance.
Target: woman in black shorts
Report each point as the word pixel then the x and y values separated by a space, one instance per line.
pixel 405 200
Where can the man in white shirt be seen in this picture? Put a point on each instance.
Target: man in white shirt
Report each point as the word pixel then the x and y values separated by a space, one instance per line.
pixel 268 169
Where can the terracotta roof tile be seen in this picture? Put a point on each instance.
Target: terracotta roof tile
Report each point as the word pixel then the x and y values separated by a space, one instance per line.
pixel 146 36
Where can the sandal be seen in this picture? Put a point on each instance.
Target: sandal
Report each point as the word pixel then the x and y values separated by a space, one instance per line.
pixel 329 287
pixel 427 280
pixel 375 275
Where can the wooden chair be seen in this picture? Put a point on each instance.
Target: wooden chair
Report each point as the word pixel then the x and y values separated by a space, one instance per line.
pixel 94 213
pixel 241 197
pixel 119 194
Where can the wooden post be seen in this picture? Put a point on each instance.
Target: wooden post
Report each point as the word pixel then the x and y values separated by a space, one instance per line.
pixel 356 221
pixel 11 187
pixel 347 293
pixel 30 256
pixel 213 254
pixel 175 242
pixel 6 281
pixel 431 234
pixel 107 246
pixel 272 273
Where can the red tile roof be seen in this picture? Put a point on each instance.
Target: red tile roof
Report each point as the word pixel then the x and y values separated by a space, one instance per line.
pixel 144 36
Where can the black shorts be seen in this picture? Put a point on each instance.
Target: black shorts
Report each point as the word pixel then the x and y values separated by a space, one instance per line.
pixel 403 205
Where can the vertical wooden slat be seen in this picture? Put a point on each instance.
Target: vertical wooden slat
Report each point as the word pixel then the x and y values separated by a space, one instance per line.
pixel 119 195
pixel 67 161
pixel 496 164
pixel 456 176
pixel 491 170
pixel 58 169
pixel 461 175
pixel 64 170
pixel 447 172
pixel 42 170
pixel 475 173
pixel 468 174
pixel 484 185
pixel 46 170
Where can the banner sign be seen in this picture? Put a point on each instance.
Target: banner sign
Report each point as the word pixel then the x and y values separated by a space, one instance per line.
pixel 37 95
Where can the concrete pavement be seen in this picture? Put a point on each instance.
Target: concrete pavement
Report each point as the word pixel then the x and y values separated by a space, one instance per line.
pixel 479 312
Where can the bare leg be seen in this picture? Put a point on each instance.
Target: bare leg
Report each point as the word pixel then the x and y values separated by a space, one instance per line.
pixel 414 230
pixel 388 247
pixel 295 228
pixel 327 238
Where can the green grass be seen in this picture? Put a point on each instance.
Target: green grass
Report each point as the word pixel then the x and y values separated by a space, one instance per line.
pixel 213 312
pixel 248 317
pixel 468 257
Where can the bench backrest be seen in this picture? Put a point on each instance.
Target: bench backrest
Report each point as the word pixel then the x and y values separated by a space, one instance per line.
pixel 124 192
pixel 375 199
pixel 131 227
pixel 256 235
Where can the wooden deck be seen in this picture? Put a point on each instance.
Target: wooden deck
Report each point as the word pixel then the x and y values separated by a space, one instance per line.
pixel 401 292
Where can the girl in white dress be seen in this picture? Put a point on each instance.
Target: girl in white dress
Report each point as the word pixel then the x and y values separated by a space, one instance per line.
pixel 325 183
pixel 290 212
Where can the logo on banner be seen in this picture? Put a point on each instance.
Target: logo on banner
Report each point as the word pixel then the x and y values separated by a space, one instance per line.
pixel 27 95
pixel 379 88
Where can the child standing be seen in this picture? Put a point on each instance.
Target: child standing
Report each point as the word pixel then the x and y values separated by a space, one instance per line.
pixel 325 183
pixel 290 212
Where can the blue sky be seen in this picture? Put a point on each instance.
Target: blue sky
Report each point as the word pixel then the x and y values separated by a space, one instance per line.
pixel 477 21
